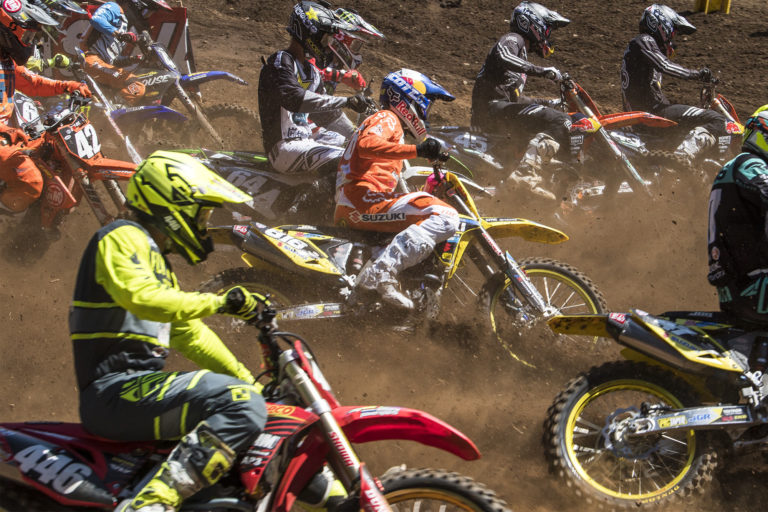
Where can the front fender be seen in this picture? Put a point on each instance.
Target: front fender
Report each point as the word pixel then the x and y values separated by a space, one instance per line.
pixel 526 229
pixel 195 79
pixel 363 425
pixel 127 116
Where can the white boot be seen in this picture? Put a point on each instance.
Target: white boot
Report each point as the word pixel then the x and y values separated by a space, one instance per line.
pixel 695 143
pixel 540 151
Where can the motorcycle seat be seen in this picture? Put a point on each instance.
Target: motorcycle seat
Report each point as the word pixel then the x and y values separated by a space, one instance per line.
pixel 353 235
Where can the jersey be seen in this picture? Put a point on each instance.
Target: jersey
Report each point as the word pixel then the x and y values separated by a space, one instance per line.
pixel 374 156
pixel 503 74
pixel 14 77
pixel 642 68
pixel 128 310
pixel 738 215
pixel 289 91
pixel 107 22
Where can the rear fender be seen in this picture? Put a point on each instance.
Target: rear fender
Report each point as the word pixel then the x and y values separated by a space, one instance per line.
pixel 127 116
pixel 621 119
pixel 363 425
pixel 195 79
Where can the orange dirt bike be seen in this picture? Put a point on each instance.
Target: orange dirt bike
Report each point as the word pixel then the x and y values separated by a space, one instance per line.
pixel 60 467
pixel 66 148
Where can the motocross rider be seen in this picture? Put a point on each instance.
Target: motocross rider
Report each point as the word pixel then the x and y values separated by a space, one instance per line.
pixel 347 58
pixel 291 89
pixel 498 104
pixel 366 196
pixel 19 22
pixel 738 215
pixel 645 60
pixel 128 311
pixel 105 43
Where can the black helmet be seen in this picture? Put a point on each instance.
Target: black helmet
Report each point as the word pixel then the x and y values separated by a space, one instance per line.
pixel 662 22
pixel 314 26
pixel 535 22
pixel 145 8
pixel 19 22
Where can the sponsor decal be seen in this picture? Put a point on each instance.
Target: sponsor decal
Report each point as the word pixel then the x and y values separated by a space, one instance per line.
pixel 732 412
pixel 715 253
pixel 280 410
pixel 268 441
pixel 12 6
pixel 54 195
pixel 346 457
pixel 674 421
pixel 619 318
pixel 56 471
pixel 410 118
pixel 366 412
pixel 382 217
pixel 704 416
pixel 294 245
pixel 243 230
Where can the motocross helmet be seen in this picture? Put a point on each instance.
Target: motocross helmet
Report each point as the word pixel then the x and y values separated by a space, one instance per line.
pixel 177 194
pixel 314 26
pixel 410 94
pixel 756 133
pixel 346 46
pixel 662 22
pixel 535 23
pixel 19 22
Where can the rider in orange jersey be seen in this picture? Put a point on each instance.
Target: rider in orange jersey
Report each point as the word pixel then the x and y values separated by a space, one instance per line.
pixel 369 171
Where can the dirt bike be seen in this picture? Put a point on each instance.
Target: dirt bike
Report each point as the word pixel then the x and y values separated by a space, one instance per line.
pixel 601 145
pixel 56 467
pixel 299 264
pixel 65 147
pixel 155 124
pixel 651 430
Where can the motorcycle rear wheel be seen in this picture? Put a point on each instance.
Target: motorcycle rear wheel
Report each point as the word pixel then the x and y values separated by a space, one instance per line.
pixel 435 490
pixel 664 469
pixel 562 286
pixel 238 126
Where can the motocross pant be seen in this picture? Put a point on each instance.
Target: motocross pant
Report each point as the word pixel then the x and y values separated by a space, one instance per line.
pixel 321 153
pixel 130 88
pixel 23 181
pixel 156 405
pixel 421 219
pixel 746 301
pixel 525 120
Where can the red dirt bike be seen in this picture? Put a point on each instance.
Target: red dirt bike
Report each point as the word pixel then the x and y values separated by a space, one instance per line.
pixel 65 147
pixel 56 467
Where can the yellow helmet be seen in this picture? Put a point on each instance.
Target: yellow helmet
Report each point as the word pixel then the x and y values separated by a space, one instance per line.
pixel 177 194
pixel 755 132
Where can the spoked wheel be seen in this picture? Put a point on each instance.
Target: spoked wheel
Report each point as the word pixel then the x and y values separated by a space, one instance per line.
pixel 432 490
pixel 582 436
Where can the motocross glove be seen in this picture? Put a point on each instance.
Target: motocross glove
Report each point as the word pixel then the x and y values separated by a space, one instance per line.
pixel 79 87
pixel 354 80
pixel 429 149
pixel 552 74
pixel 359 103
pixel 241 303
pixel 705 74
pixel 127 37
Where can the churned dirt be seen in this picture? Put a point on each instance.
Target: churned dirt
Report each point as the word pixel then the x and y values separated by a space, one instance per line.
pixel 643 254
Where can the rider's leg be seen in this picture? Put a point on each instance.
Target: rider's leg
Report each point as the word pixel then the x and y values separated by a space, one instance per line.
pixel 540 151
pixel 23 183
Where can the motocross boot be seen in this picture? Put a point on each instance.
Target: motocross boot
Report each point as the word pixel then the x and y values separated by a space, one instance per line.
pixel 406 249
pixel 323 492
pixel 694 145
pixel 541 149
pixel 199 460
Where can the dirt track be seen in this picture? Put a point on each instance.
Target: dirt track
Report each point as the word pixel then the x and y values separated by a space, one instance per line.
pixel 651 257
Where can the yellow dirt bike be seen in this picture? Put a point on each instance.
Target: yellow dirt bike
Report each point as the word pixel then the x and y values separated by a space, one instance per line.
pixel 309 272
pixel 651 430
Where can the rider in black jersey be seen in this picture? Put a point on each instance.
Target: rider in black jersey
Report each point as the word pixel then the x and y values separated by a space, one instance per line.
pixel 498 104
pixel 646 59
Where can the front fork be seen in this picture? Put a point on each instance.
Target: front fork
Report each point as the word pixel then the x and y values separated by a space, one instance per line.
pixel 197 110
pixel 352 471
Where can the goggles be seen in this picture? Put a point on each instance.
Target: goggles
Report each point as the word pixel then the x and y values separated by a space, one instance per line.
pixel 758 122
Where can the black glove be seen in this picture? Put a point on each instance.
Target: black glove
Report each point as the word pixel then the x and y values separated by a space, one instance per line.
pixel 127 37
pixel 241 303
pixel 429 149
pixel 705 74
pixel 359 103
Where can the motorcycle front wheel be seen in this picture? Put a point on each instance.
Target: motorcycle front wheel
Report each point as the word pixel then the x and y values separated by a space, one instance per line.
pixel 565 290
pixel 584 449
pixel 434 490
pixel 238 126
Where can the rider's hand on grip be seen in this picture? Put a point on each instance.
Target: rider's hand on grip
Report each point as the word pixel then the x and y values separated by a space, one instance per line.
pixel 78 87
pixel 359 103
pixel 241 303
pixel 705 74
pixel 553 74
pixel 127 37
pixel 431 149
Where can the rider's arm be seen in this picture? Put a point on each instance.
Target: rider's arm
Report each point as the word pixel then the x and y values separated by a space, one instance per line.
pixel 107 18
pixel 752 175
pixel 379 138
pixel 650 50
pixel 509 52
pixel 294 98
pixel 198 343
pixel 136 278
pixel 35 85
